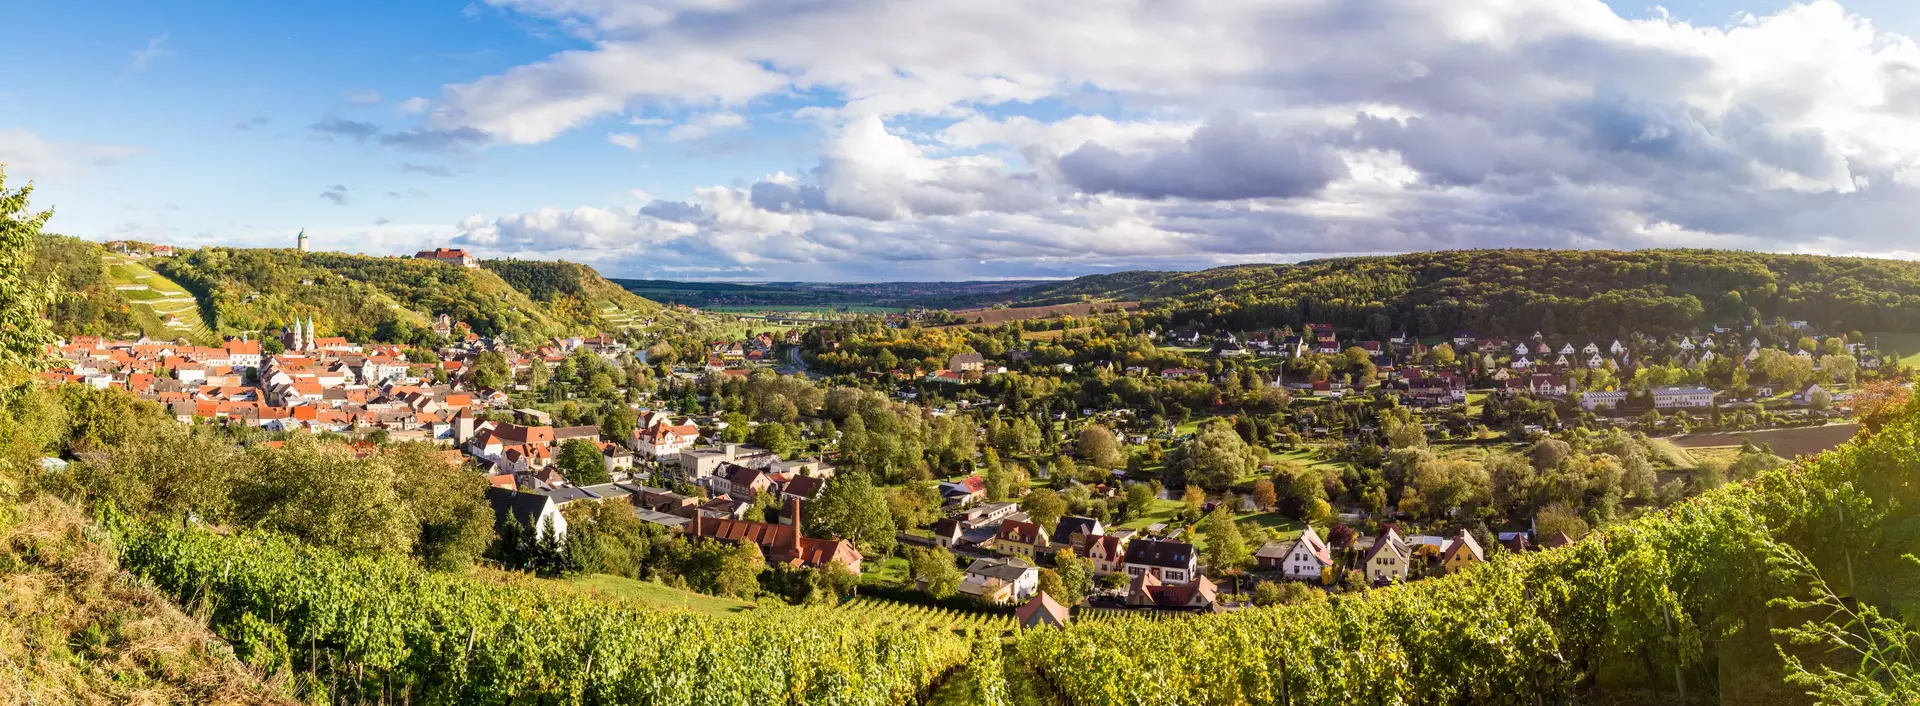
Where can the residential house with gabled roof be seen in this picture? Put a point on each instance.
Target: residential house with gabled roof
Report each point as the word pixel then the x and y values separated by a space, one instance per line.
pixel 966 491
pixel 1462 551
pixel 1074 533
pixel 532 510
pixel 1307 558
pixel 663 440
pixel 1388 559
pixel 1149 591
pixel 1022 539
pixel 1041 611
pixel 1108 552
pixel 1169 561
pixel 1000 580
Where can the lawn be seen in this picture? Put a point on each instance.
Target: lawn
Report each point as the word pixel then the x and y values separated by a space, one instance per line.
pixel 1907 344
pixel 1164 511
pixel 1159 511
pixel 658 594
pixel 1473 403
pixel 892 572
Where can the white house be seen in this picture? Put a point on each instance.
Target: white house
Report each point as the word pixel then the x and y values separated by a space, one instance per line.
pixel 1307 557
pixel 664 440
pixel 532 510
pixel 1001 580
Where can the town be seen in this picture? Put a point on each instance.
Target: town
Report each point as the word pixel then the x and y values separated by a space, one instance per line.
pixel 1101 505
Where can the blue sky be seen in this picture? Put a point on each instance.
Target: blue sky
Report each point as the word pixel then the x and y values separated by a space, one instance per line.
pixel 962 139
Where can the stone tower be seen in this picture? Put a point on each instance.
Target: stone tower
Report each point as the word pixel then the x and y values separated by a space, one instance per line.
pixel 304 246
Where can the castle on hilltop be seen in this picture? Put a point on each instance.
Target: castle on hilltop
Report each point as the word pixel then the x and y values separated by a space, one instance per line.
pixel 451 256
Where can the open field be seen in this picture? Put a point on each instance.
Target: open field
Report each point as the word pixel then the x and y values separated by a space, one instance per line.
pixel 659 594
pixel 989 317
pixel 1786 443
pixel 814 309
pixel 1905 344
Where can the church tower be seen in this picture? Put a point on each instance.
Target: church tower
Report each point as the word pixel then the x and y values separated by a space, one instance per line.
pixel 290 337
pixel 310 345
pixel 304 246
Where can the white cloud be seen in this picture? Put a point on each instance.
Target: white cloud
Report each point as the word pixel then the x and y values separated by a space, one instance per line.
pixel 705 124
pixel 30 156
pixel 1239 129
pixel 412 105
pixel 144 56
pixel 627 140
pixel 362 97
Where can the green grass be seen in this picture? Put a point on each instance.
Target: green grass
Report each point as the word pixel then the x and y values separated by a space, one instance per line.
pixel 1907 344
pixel 659 594
pixel 162 297
pixel 1160 511
pixel 892 572
pixel 1668 454
pixel 1474 400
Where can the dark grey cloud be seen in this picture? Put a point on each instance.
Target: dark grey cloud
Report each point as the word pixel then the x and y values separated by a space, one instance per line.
pixel 337 195
pixel 786 197
pixel 431 140
pixel 680 211
pixel 333 126
pixel 439 170
pixel 1226 159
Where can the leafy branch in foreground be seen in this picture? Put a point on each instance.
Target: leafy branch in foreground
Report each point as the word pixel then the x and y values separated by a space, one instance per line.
pixel 1880 648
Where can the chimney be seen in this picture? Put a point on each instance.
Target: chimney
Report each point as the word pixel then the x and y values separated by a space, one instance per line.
pixel 793 512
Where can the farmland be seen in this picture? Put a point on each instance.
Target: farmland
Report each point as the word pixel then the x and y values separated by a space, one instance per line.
pixel 1786 443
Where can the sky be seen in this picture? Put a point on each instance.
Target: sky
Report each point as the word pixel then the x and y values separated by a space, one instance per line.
pixel 878 140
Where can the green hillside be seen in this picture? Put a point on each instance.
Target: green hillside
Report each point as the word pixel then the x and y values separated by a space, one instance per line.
pixel 101 293
pixel 1508 292
pixel 392 298
pixel 575 294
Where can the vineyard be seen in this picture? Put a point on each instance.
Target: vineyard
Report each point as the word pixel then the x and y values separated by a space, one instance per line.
pixel 880 611
pixel 1671 607
pixel 362 629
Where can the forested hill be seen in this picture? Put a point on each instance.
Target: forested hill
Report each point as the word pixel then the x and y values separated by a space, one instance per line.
pixel 391 298
pixel 573 293
pixel 1513 292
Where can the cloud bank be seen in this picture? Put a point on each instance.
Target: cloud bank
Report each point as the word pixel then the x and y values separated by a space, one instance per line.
pixel 1223 132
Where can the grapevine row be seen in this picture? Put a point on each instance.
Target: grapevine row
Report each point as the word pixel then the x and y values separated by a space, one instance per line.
pixel 385 630
pixel 1640 607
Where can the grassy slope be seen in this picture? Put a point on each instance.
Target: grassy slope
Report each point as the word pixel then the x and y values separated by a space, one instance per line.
pixel 75 630
pixel 1906 344
pixel 162 298
pixel 574 293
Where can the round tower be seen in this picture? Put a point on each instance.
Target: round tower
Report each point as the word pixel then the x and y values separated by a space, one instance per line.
pixel 304 247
